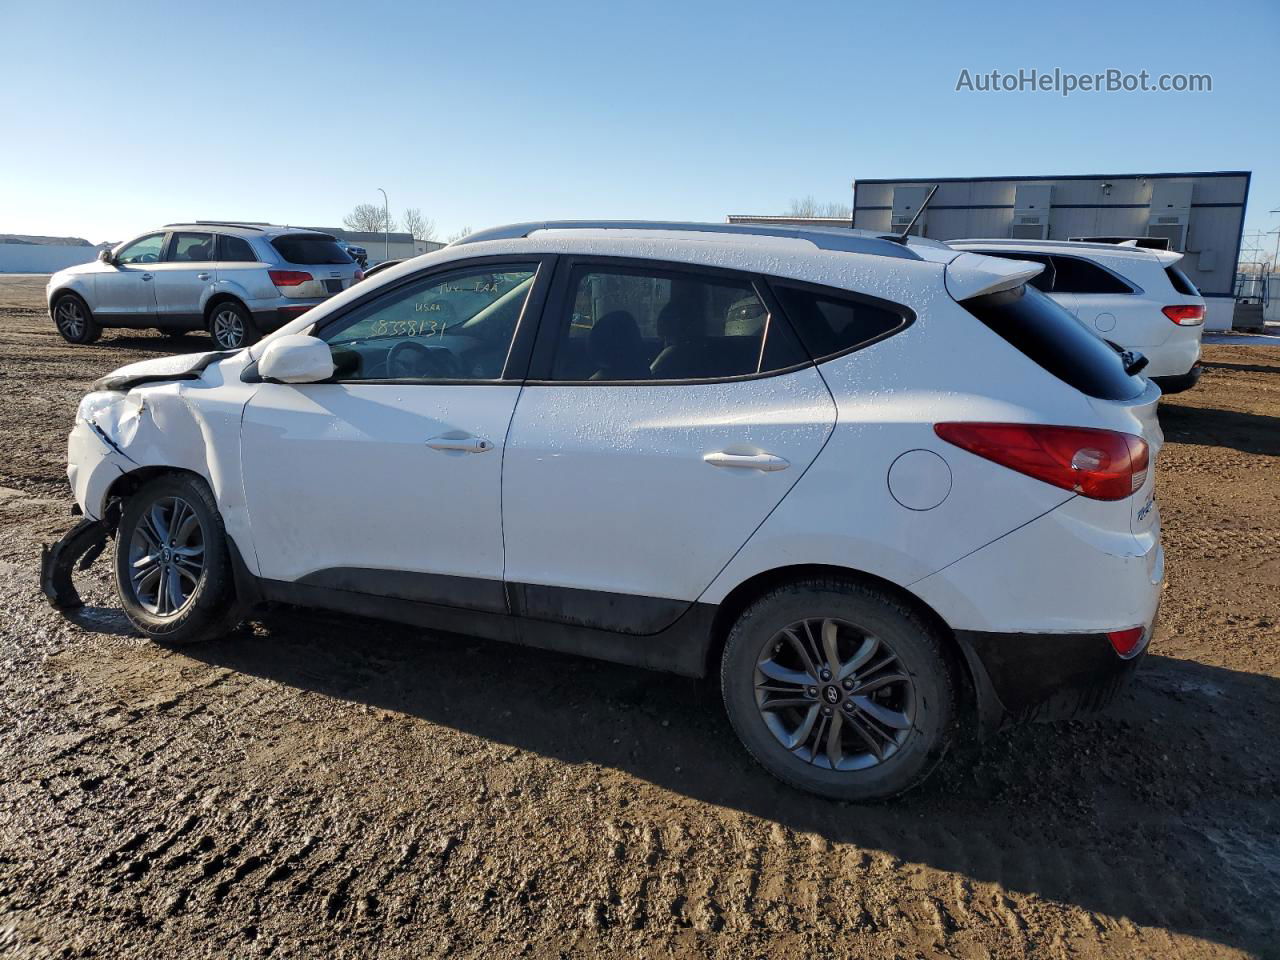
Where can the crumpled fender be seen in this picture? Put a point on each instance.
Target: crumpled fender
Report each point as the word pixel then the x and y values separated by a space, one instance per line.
pixel 182 424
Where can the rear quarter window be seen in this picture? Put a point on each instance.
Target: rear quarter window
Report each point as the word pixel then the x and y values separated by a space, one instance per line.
pixel 830 322
pixel 1181 282
pixel 1073 275
pixel 1056 341
pixel 310 248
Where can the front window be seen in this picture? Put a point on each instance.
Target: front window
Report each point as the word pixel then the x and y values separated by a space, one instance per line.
pixel 143 250
pixel 455 326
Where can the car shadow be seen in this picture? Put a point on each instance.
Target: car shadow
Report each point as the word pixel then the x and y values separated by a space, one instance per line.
pixel 194 342
pixel 1213 427
pixel 1240 367
pixel 1142 812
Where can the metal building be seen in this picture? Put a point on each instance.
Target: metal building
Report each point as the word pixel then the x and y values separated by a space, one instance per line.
pixel 1199 214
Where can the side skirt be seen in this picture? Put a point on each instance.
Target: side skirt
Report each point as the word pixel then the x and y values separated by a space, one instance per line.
pixel 681 648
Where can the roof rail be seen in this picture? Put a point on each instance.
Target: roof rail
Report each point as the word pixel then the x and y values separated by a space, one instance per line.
pixel 841 239
pixel 220 223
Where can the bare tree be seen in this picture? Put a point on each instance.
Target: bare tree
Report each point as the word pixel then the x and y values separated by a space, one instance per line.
pixel 808 207
pixel 422 228
pixel 368 218
pixel 465 231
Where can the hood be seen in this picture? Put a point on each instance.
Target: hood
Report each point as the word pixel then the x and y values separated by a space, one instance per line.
pixel 186 366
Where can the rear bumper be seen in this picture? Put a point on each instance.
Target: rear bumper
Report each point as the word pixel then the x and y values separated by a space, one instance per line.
pixel 1176 356
pixel 1179 383
pixel 276 317
pixel 1028 676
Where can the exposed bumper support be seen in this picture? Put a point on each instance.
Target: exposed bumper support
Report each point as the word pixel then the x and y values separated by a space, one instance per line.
pixel 78 549
pixel 1027 676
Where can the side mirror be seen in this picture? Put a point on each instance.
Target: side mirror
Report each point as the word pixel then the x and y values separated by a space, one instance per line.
pixel 106 257
pixel 296 358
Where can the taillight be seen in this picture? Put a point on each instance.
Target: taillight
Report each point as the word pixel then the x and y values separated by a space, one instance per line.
pixel 359 276
pixel 1126 642
pixel 289 278
pixel 1099 464
pixel 1185 315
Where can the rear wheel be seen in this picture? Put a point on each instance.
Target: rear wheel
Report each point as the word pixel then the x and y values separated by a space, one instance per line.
pixel 74 320
pixel 231 326
pixel 839 689
pixel 173 573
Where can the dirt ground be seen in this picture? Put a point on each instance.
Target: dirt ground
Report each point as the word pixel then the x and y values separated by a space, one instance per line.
pixel 318 786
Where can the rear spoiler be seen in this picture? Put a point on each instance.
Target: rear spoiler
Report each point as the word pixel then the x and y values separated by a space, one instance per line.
pixel 1167 258
pixel 972 275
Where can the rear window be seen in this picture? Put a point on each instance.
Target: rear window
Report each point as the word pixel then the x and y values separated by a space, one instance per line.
pixel 1073 275
pixel 1054 339
pixel 1181 282
pixel 830 323
pixel 310 248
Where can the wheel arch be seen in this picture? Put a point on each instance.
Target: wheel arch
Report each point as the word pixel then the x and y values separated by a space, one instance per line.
pixel 219 298
pixel 974 685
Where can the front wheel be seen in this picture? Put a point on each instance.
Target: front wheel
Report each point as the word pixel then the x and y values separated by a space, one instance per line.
pixel 173 572
pixel 231 326
pixel 74 320
pixel 839 689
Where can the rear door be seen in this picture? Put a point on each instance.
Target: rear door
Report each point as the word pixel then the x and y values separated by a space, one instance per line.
pixel 669 410
pixel 187 271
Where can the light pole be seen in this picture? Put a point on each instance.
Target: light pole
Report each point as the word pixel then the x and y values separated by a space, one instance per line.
pixel 386 222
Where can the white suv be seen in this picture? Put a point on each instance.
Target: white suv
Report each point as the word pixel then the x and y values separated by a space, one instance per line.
pixel 1134 297
pixel 236 280
pixel 883 490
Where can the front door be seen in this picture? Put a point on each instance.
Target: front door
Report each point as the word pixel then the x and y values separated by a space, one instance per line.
pixel 387 481
pixel 675 415
pixel 124 292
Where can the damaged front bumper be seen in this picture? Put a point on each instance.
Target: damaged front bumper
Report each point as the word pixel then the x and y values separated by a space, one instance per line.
pixel 94 462
pixel 77 550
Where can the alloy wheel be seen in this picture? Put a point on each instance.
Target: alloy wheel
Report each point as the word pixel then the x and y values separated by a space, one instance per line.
pixel 166 556
pixel 228 329
pixel 70 318
pixel 834 695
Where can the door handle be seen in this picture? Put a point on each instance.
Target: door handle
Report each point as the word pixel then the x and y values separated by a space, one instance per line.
pixel 764 462
pixel 460 444
pixel 146 276
pixel 202 276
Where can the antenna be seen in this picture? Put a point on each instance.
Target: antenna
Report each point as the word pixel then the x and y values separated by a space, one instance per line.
pixel 902 237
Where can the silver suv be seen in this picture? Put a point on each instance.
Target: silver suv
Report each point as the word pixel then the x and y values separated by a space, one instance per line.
pixel 238 281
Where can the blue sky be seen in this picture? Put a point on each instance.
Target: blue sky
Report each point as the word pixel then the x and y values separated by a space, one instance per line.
pixel 118 117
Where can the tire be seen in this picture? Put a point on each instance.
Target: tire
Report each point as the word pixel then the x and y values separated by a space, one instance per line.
pixel 914 692
pixel 74 320
pixel 204 606
pixel 231 326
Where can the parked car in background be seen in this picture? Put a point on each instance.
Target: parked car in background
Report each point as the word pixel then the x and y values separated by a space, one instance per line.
pixel 357 253
pixel 885 491
pixel 1135 297
pixel 238 281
